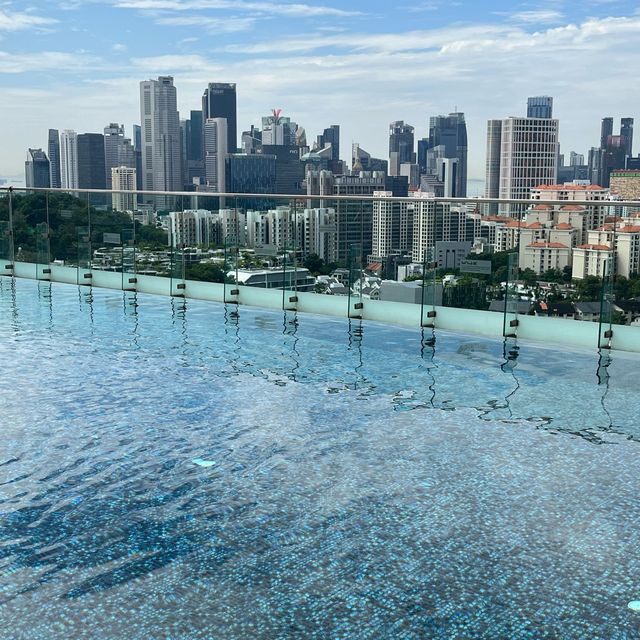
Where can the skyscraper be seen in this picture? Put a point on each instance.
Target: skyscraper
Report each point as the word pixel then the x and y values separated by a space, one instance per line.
pixel 161 163
pixel 91 173
pixel 528 157
pixel 400 146
pixel 54 159
pixel 626 131
pixel 331 136
pixel 36 169
pixel 492 167
pixel 448 141
pixel 137 150
pixel 118 150
pixel 219 101
pixel 606 130
pixel 215 148
pixel 540 107
pixel 69 159
pixel 613 151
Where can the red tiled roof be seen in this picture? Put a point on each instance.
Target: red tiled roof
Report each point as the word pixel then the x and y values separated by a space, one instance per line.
pixel 563 226
pixel 571 207
pixel 496 218
pixel 548 245
pixel 374 266
pixel 630 229
pixel 535 225
pixel 568 187
pixel 595 247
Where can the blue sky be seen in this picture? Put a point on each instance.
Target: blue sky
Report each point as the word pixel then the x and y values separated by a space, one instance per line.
pixel 78 63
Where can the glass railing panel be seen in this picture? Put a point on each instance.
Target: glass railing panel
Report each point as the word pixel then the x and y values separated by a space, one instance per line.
pixel 291 255
pixel 511 297
pixel 43 251
pixel 356 282
pixel 607 305
pixel 429 293
pixel 83 255
pixel 7 254
pixel 128 259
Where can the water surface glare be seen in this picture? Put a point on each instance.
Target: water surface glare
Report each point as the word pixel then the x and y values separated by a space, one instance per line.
pixel 185 471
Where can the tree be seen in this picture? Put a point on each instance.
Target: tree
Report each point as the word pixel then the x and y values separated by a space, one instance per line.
pixel 622 288
pixel 151 236
pixel 205 272
pixel 552 275
pixel 317 266
pixel 529 277
pixel 589 288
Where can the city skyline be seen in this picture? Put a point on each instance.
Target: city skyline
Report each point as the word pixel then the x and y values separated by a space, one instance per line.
pixel 361 68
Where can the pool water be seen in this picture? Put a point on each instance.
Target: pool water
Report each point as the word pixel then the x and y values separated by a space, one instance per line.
pixel 176 469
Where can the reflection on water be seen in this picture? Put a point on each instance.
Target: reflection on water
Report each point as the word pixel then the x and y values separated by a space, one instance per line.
pixel 317 515
pixel 355 334
pixel 130 310
pixel 290 325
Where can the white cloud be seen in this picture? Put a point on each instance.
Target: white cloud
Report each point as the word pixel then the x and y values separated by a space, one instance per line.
pixel 277 8
pixel 219 25
pixel 14 63
pixel 22 21
pixel 364 81
pixel 171 64
pixel 541 16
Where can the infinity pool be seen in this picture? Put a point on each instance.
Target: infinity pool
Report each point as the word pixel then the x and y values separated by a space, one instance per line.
pixel 178 470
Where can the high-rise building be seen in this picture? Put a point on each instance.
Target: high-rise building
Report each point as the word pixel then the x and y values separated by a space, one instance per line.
pixel 401 147
pixel 219 101
pixel 626 131
pixel 54 159
pixel 494 151
pixel 528 149
pixel 289 168
pixel 613 156
pixel 362 161
pixel 137 150
pixel 576 159
pixel 392 230
pixel 540 107
pixel 330 136
pixel 36 169
pixel 118 150
pixel 215 149
pixel 69 159
pixel 279 130
pixel 192 151
pixel 161 163
pixel 91 172
pixel 613 153
pixel 251 173
pixel 606 130
pixel 447 141
pixel 124 179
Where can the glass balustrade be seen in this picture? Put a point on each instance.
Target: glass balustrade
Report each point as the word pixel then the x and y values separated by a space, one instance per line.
pixel 565 272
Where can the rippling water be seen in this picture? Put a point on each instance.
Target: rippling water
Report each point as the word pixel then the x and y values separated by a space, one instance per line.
pixel 185 471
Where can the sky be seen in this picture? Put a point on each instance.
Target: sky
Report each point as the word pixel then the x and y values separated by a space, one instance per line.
pixel 77 64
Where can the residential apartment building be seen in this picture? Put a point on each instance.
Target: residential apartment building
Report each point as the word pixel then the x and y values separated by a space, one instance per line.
pixel 522 153
pixel 123 179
